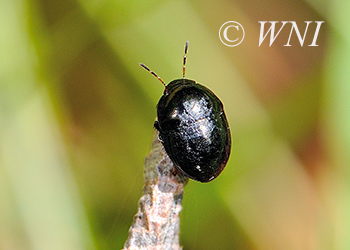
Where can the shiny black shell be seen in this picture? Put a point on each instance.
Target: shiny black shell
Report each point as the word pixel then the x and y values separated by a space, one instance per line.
pixel 193 129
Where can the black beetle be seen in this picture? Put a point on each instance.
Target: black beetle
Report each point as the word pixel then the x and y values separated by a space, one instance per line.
pixel 193 127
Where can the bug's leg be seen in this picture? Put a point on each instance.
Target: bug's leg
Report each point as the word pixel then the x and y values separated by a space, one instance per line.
pixel 156 125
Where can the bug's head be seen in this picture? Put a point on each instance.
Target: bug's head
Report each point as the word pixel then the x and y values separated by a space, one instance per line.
pixel 160 79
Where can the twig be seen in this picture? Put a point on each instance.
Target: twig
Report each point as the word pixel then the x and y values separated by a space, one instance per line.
pixel 156 225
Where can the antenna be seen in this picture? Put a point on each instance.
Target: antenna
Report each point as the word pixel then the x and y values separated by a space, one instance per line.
pixel 153 73
pixel 184 63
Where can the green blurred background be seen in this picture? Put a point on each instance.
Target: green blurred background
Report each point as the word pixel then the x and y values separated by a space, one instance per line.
pixel 77 113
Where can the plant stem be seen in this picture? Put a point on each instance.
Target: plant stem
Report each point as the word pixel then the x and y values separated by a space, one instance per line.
pixel 157 224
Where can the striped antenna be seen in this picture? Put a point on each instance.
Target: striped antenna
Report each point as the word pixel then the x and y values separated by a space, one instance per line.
pixel 153 73
pixel 184 62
